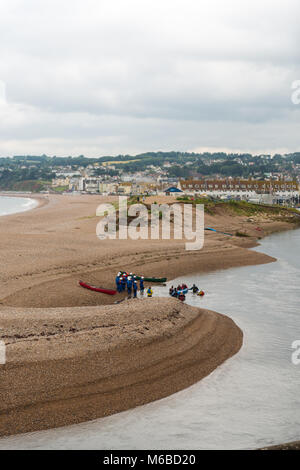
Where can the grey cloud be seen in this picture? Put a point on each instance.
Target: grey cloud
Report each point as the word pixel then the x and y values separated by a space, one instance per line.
pixel 138 75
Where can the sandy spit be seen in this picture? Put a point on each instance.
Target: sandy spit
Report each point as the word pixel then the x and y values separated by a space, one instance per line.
pixel 70 356
pixel 69 366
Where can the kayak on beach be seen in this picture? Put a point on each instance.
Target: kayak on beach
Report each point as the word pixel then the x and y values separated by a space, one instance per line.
pixel 217 231
pixel 97 289
pixel 153 279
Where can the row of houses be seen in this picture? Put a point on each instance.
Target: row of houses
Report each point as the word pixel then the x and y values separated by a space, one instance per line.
pixel 97 185
pixel 231 187
pixel 244 189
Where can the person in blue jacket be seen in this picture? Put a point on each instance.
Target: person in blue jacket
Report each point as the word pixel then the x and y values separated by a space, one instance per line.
pixel 135 287
pixel 142 285
pixel 118 282
pixel 123 282
pixel 129 285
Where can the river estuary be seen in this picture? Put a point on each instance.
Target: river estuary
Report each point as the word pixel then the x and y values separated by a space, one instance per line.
pixel 250 401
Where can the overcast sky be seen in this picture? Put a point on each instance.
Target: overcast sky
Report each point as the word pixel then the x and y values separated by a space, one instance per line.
pixel 103 77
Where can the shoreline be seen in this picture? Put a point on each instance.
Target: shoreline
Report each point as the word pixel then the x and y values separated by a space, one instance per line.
pixel 39 201
pixel 55 239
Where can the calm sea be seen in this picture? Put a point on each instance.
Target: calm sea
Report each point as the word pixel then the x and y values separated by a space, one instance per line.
pixel 12 205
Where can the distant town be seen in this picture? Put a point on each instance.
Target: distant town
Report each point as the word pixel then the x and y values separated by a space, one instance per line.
pixel 256 178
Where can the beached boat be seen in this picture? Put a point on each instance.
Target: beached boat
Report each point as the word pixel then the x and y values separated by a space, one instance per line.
pixel 149 279
pixel 97 289
pixel 153 279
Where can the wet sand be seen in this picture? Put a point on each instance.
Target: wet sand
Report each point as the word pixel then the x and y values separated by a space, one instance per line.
pixel 71 357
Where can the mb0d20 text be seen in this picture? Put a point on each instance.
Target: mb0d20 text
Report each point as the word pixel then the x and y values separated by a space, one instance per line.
pixel 168 459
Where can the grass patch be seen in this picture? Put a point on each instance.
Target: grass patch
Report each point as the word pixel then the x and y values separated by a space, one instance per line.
pixel 243 208
pixel 209 204
pixel 241 234
pixel 60 189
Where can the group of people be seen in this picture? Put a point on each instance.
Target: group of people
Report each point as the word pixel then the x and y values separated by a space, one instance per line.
pixel 129 281
pixel 178 291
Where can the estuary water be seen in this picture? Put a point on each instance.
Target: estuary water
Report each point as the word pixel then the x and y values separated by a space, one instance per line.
pixel 12 205
pixel 252 400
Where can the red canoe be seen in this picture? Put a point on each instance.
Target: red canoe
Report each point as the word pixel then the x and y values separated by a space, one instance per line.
pixel 97 289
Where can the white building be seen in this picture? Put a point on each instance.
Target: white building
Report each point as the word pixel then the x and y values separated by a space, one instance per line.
pixel 91 185
pixel 245 189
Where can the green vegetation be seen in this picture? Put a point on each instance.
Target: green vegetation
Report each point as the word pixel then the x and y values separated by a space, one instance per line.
pixel 190 165
pixel 209 203
pixel 174 164
pixel 241 234
pixel 26 186
pixel 249 209
pixel 16 178
pixel 242 208
pixel 60 189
